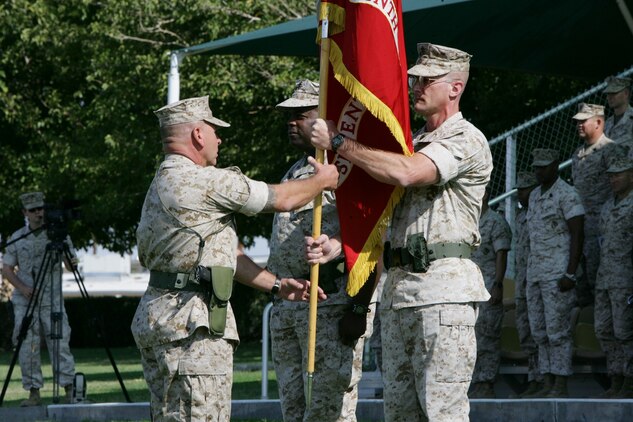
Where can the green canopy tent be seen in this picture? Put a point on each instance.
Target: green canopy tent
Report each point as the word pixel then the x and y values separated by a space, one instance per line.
pixel 582 38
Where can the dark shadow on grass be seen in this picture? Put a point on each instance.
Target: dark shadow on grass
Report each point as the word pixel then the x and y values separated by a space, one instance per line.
pixel 250 390
pixel 110 375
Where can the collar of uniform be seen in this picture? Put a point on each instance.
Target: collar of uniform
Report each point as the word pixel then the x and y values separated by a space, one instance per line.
pixel 551 188
pixel 622 202
pixel 302 168
pixel 585 150
pixel 446 130
pixel 177 157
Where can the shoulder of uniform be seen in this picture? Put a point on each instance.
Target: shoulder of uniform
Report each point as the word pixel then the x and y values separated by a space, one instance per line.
pixel 19 232
pixel 225 170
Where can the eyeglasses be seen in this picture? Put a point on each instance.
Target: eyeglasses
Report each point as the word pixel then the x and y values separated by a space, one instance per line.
pixel 425 82
pixel 36 209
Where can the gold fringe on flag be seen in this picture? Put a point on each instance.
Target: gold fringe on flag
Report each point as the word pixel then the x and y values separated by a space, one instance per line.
pixel 357 90
pixel 368 257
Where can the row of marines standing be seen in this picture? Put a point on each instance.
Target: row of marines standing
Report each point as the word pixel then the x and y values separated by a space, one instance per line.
pixel 562 235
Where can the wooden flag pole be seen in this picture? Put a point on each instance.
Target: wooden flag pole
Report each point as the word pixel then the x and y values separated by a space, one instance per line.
pixel 317 210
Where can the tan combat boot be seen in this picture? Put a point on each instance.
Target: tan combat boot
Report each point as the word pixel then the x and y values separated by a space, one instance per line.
pixel 532 388
pixel 474 390
pixel 548 381
pixel 614 389
pixel 33 400
pixel 68 398
pixel 559 388
pixel 626 392
pixel 483 390
pixel 486 391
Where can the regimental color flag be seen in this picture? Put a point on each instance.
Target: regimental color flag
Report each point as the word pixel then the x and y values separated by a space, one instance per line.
pixel 367 96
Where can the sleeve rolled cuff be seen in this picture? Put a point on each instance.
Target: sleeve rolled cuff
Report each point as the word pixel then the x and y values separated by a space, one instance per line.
pixel 257 199
pixel 444 161
pixel 501 244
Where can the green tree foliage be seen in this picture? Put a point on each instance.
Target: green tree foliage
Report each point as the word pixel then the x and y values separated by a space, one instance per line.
pixel 79 80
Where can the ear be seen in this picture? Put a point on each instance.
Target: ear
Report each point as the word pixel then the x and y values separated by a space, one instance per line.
pixel 197 139
pixel 457 87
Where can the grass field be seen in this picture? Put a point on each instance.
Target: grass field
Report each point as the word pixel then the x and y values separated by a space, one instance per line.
pixel 103 387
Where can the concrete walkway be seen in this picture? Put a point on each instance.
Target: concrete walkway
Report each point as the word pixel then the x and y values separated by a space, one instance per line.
pixel 545 410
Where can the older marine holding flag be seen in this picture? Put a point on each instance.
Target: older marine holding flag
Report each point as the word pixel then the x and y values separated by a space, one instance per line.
pixel 428 306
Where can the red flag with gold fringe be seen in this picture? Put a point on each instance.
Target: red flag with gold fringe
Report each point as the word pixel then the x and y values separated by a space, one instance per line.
pixel 367 97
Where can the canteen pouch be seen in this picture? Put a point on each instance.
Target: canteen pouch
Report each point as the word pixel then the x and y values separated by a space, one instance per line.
pixel 221 289
pixel 416 245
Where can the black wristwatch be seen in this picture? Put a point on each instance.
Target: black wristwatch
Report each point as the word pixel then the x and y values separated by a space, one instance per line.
pixel 337 141
pixel 276 287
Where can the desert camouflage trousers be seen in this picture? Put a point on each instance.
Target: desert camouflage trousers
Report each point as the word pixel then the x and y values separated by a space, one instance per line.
pixel 591 261
pixel 337 367
pixel 375 342
pixel 591 247
pixel 525 339
pixel 613 321
pixel 190 379
pixel 29 356
pixel 429 353
pixel 549 312
pixel 488 334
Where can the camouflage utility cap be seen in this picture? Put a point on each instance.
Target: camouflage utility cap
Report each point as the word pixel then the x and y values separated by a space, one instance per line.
pixel 525 179
pixel 586 111
pixel 620 164
pixel 616 84
pixel 32 200
pixel 436 60
pixel 187 111
pixel 544 156
pixel 306 94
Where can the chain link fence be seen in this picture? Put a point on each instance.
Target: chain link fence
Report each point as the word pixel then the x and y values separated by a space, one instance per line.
pixel 554 128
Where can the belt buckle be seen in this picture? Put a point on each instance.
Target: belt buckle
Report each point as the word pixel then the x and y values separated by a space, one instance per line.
pixel 181 280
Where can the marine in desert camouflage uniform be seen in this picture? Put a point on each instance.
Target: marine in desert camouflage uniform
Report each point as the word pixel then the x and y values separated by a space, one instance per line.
pixel 555 223
pixel 619 126
pixel 491 256
pixel 428 313
pixel 22 264
pixel 588 170
pixel 614 285
pixel 526 182
pixel 339 366
pixel 187 222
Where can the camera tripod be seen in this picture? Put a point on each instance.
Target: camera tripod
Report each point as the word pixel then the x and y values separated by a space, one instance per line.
pixel 50 270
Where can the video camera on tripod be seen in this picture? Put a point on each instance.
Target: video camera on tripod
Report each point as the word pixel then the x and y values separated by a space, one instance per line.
pixel 57 217
pixel 55 220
